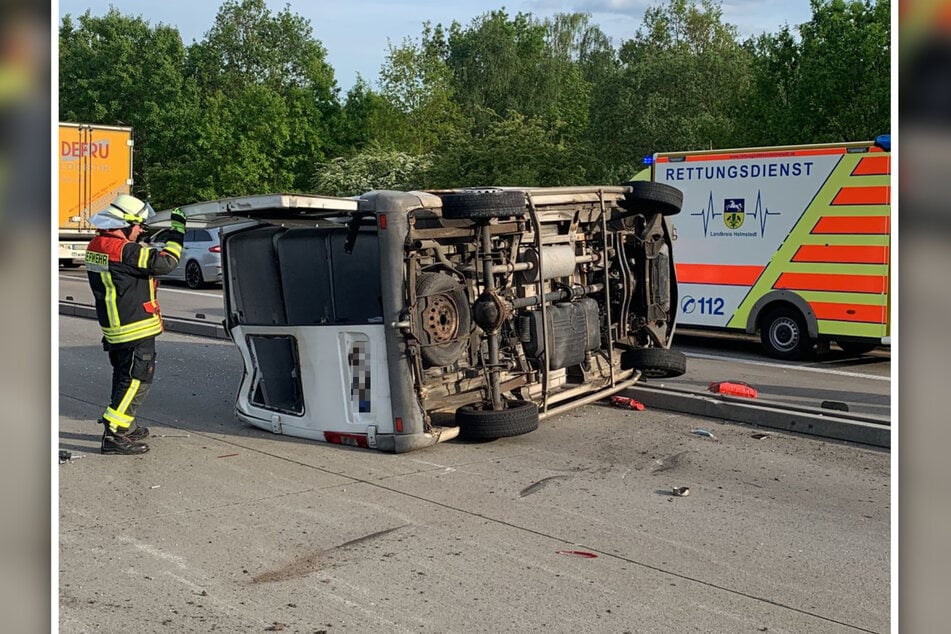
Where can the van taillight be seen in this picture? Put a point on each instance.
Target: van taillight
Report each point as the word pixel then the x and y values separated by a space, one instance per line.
pixel 215 249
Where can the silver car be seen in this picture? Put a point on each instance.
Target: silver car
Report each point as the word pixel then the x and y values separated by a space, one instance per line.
pixel 200 263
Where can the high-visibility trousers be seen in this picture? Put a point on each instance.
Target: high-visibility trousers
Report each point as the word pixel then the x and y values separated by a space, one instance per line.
pixel 132 370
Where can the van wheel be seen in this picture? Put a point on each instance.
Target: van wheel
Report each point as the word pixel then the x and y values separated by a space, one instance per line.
pixel 654 363
pixel 483 204
pixel 481 422
pixel 647 197
pixel 783 333
pixel 193 276
pixel 856 347
pixel 443 310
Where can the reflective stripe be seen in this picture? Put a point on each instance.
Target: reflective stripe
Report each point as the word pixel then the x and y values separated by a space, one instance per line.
pixel 115 419
pixel 144 257
pixel 112 309
pixel 130 332
pixel 174 248
pixel 129 394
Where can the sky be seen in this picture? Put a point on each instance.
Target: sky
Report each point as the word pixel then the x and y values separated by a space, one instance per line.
pixel 356 33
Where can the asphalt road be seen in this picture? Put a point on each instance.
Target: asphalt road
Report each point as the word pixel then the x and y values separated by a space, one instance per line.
pixel 572 528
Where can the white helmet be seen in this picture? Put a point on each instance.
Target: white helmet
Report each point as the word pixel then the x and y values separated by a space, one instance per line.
pixel 124 211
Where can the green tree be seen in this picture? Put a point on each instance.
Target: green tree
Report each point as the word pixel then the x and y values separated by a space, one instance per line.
pixel 513 151
pixel 769 107
pixel 118 70
pixel 845 74
pixel 267 103
pixel 416 80
pixel 373 168
pixel 675 89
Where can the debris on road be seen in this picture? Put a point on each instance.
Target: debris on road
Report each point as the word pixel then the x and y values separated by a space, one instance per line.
pixel 681 492
pixel 759 435
pixel 733 388
pixel 626 402
pixel 67 456
pixel 577 553
pixel 704 433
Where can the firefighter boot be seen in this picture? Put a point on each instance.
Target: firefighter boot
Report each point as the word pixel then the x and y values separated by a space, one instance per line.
pixel 121 445
pixel 137 432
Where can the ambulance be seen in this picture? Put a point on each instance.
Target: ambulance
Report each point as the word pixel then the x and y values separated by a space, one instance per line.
pixel 791 242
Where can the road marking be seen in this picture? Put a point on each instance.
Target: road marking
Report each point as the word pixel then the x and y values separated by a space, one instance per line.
pixel 859 375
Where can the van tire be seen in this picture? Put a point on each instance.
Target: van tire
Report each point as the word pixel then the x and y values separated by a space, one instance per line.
pixel 654 363
pixel 480 422
pixel 647 197
pixel 483 204
pixel 440 301
pixel 784 335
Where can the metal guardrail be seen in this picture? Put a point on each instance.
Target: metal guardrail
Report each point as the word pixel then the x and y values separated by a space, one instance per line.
pixel 833 424
pixel 172 324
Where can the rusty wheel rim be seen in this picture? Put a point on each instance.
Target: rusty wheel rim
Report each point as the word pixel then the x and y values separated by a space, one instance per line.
pixel 441 319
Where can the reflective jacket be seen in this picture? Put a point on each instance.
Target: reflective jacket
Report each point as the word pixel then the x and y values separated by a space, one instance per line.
pixel 120 273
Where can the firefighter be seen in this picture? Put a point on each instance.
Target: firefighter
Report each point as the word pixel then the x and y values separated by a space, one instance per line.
pixel 120 273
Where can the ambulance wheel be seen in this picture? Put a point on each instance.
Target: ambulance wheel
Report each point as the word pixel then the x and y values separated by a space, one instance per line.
pixel 856 348
pixel 481 422
pixel 647 197
pixel 784 335
pixel 483 204
pixel 443 310
pixel 654 363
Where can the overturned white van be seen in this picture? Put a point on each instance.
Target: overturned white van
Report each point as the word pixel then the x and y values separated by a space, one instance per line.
pixel 396 320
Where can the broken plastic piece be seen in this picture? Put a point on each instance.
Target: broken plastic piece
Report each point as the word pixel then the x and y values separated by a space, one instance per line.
pixel 626 402
pixel 577 553
pixel 704 432
pixel 733 388
pixel 64 456
pixel 759 436
pixel 681 492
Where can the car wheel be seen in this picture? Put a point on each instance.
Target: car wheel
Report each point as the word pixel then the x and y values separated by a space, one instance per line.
pixel 783 333
pixel 481 422
pixel 443 310
pixel 647 197
pixel 654 363
pixel 857 348
pixel 483 204
pixel 193 276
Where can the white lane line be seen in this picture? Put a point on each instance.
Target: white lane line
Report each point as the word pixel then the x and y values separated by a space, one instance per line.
pixel 859 375
pixel 164 289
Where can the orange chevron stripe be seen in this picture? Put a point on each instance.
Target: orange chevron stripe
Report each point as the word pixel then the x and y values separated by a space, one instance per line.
pixel 847 225
pixel 728 274
pixel 864 313
pixel 863 196
pixel 842 254
pixel 873 166
pixel 877 284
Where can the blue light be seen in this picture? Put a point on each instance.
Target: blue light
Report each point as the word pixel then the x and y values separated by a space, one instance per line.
pixel 649 159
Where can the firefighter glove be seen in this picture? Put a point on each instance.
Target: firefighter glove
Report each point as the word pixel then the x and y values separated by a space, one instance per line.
pixel 178 220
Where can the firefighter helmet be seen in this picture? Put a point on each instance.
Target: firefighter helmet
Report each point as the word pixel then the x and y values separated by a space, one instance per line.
pixel 124 211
